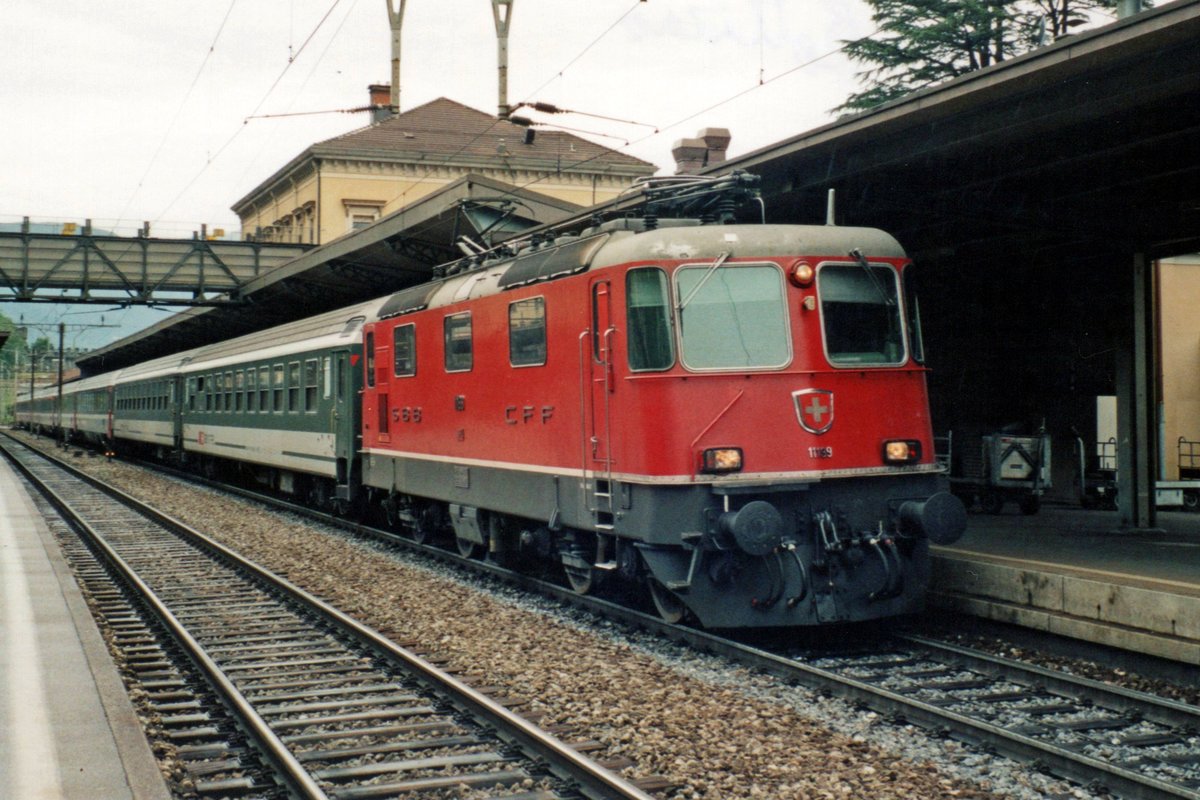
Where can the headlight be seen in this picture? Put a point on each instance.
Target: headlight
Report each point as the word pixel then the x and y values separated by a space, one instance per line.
pixel 801 274
pixel 721 459
pixel 901 451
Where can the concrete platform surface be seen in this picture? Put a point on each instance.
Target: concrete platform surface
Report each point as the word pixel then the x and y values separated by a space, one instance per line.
pixel 67 728
pixel 1075 573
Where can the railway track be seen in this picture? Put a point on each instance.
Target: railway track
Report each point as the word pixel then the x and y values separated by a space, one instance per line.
pixel 1133 744
pixel 1128 743
pixel 334 709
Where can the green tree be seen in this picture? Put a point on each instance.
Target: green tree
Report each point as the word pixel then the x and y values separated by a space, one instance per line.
pixel 921 43
pixel 14 344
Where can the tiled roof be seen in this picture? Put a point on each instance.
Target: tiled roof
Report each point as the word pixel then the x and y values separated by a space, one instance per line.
pixel 444 131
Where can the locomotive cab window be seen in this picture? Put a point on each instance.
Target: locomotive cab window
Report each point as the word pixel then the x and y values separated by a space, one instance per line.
pixel 732 316
pixel 651 342
pixel 404 351
pixel 527 332
pixel 458 344
pixel 916 341
pixel 860 314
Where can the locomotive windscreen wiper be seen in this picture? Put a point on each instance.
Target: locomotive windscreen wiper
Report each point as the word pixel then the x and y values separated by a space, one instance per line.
pixel 703 280
pixel 858 256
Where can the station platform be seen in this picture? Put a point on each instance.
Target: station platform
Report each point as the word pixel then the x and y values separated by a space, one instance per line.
pixel 67 728
pixel 1073 572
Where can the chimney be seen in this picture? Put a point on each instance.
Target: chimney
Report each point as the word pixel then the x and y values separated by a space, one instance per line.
pixel 381 102
pixel 689 156
pixel 706 150
pixel 716 141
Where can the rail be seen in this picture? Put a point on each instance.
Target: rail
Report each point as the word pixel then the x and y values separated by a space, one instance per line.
pixel 209 595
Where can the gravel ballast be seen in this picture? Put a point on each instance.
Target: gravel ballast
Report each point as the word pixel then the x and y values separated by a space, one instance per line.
pixel 711 727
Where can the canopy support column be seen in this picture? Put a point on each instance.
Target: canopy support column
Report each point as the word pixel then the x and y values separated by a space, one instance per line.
pixel 1137 426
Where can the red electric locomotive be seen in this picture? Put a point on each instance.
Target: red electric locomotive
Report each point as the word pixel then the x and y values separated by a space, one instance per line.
pixel 731 415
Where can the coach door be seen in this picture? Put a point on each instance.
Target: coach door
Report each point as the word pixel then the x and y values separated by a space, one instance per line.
pixel 177 400
pixel 597 368
pixel 339 378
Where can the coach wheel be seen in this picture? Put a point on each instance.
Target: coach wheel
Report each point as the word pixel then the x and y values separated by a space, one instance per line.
pixel 582 579
pixel 467 548
pixel 666 602
pixel 1191 501
pixel 991 503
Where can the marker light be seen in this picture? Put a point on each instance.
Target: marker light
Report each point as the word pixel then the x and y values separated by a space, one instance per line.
pixel 901 451
pixel 721 459
pixel 801 273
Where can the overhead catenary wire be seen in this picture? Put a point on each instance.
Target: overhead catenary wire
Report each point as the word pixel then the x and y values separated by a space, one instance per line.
pixel 214 156
pixel 178 111
pixel 575 164
pixel 712 107
pixel 429 170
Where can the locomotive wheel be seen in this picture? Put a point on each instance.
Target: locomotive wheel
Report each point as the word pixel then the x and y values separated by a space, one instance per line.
pixel 991 503
pixel 666 602
pixel 391 512
pixel 426 526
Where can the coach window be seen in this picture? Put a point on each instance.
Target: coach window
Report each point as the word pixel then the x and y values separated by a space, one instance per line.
pixel 191 394
pixel 239 389
pixel 264 389
pixel 527 332
pixel 651 344
pixel 327 375
pixel 404 350
pixel 459 347
pixel 229 391
pixel 251 392
pixel 293 386
pixel 277 387
pixel 207 380
pixel 370 358
pixel 310 385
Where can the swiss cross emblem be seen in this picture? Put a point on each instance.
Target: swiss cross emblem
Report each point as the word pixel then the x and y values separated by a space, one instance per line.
pixel 814 409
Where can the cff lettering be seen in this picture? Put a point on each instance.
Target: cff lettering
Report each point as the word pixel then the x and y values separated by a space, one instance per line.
pixel 526 414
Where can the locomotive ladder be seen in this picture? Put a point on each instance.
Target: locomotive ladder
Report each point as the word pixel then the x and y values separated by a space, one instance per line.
pixel 596 453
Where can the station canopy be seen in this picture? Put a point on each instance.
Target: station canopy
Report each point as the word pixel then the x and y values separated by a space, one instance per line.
pixel 398 251
pixel 1087 149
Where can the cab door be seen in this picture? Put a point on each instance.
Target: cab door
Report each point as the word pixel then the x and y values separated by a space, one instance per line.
pixel 600 376
pixel 178 397
pixel 597 370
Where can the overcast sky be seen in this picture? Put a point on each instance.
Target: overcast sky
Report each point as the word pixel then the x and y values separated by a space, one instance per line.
pixel 137 110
